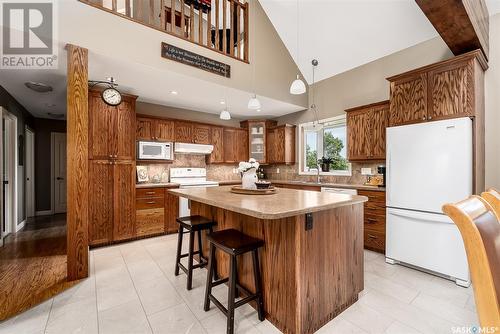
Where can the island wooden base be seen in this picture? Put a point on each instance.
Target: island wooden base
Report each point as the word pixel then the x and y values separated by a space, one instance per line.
pixel 308 276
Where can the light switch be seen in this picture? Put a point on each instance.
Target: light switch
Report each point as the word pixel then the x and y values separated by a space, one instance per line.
pixel 366 171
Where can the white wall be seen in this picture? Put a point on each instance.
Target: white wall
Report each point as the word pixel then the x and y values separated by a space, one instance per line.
pixel 492 106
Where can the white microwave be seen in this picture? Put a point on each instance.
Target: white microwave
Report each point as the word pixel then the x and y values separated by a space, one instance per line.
pixel 153 150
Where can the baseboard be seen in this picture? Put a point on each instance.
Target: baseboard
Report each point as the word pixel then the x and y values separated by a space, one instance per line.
pixel 20 226
pixel 43 213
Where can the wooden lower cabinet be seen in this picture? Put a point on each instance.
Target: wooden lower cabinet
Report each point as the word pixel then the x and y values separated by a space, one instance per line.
pixel 112 201
pixel 156 211
pixel 374 218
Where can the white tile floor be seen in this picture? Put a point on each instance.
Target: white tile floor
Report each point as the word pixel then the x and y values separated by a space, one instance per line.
pixel 132 289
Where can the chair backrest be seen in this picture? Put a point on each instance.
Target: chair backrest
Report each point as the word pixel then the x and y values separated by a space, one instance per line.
pixel 480 229
pixel 492 196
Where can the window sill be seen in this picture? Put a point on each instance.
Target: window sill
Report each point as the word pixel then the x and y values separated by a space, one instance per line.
pixel 334 173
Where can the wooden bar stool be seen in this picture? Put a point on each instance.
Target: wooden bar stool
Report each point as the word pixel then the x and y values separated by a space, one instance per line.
pixel 234 243
pixel 192 224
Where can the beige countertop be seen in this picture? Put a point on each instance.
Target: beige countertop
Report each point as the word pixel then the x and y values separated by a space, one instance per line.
pixel 326 184
pixel 157 185
pixel 285 203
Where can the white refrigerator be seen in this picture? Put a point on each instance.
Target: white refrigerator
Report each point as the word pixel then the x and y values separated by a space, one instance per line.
pixel 428 165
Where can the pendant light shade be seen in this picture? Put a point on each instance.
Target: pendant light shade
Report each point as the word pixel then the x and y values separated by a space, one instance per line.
pixel 298 87
pixel 254 103
pixel 225 115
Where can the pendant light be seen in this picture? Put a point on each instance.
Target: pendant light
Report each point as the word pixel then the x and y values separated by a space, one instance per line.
pixel 224 114
pixel 254 103
pixel 313 105
pixel 298 87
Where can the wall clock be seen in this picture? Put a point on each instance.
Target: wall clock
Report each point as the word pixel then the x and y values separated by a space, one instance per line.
pixel 111 96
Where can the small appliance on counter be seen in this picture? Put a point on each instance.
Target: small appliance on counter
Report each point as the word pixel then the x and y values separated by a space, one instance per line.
pixel 153 150
pixel 382 170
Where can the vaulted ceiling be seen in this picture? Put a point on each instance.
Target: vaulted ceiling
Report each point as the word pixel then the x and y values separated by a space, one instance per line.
pixel 344 34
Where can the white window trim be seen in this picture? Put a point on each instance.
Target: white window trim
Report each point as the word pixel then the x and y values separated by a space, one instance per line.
pixel 311 125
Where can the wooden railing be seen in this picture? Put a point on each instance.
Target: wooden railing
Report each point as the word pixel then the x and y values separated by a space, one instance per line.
pixel 220 25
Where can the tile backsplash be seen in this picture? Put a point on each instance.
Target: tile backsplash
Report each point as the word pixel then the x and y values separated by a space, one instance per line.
pixel 290 173
pixel 159 172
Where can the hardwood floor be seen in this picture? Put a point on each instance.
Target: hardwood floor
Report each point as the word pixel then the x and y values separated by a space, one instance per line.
pixel 33 265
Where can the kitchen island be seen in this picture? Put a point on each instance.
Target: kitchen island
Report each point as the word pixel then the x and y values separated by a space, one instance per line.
pixel 312 260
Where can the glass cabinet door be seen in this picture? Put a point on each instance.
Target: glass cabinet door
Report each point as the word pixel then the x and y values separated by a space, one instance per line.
pixel 257 135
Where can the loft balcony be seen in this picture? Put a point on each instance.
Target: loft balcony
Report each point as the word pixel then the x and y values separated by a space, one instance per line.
pixel 219 25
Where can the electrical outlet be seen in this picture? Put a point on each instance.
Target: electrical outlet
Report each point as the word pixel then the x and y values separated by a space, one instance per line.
pixel 277 170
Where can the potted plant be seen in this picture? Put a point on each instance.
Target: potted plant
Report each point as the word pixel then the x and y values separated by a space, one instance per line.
pixel 325 164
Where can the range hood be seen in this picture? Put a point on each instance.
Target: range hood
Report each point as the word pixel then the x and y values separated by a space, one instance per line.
pixel 187 148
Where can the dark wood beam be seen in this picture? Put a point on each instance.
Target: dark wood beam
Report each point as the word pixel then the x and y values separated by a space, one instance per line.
pixel 463 24
pixel 77 162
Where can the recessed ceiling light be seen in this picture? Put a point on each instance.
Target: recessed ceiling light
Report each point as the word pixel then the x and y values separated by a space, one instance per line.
pixel 38 87
pixel 258 110
pixel 222 102
pixel 174 92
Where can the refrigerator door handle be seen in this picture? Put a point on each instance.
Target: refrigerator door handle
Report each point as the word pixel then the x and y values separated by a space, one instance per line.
pixel 422 216
pixel 388 178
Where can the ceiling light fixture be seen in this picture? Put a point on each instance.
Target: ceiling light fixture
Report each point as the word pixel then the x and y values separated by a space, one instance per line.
pixel 222 102
pixel 173 92
pixel 313 107
pixel 225 115
pixel 298 87
pixel 38 87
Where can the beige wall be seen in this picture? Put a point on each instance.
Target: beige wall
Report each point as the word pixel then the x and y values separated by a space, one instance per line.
pixel 129 41
pixel 366 84
pixel 190 115
pixel 492 105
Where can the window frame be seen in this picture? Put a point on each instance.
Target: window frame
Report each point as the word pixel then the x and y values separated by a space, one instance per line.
pixel 302 128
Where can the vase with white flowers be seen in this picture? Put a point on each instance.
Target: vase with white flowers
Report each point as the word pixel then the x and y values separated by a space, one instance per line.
pixel 248 171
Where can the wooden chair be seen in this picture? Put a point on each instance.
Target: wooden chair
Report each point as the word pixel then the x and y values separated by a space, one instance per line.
pixel 492 196
pixel 480 229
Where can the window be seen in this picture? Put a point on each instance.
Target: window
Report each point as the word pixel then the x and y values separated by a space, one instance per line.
pixel 327 139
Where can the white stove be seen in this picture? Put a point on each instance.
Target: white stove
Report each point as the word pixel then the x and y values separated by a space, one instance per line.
pixel 188 177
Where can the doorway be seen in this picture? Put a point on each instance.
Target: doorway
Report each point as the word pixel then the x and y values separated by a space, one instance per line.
pixel 9 174
pixel 58 171
pixel 30 173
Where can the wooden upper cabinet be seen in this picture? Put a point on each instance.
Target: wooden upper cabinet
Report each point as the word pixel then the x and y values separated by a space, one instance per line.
pixel 183 132
pixel 201 134
pixel 124 200
pixel 111 134
pixel 231 145
pixel 242 153
pixel 281 144
pixel 408 100
pixel 451 91
pixel 145 128
pixel 217 139
pixel 448 89
pixel 124 138
pixel 358 134
pixel 366 127
pixel 164 130
pixel 379 117
pixel 100 119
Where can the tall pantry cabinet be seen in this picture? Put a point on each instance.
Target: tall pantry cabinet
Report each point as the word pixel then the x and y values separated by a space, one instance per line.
pixel 111 169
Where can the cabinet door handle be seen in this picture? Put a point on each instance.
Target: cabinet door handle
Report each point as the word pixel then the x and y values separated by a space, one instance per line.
pixel 371 221
pixel 152 202
pixel 424 118
pixel 371 236
pixel 150 193
pixel 430 117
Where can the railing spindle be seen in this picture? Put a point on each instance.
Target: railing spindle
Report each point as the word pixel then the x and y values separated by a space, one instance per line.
pixel 191 23
pixel 114 6
pixel 231 30
pixel 139 11
pixel 224 34
pixel 246 34
pixel 172 16
pixel 200 25
pixel 238 11
pixel 209 28
pixel 217 25
pixel 162 15
pixel 152 12
pixel 183 24
pixel 127 8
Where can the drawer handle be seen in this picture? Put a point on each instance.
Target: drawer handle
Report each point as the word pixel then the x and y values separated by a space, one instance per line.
pixel 150 193
pixel 152 202
pixel 371 221
pixel 371 236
